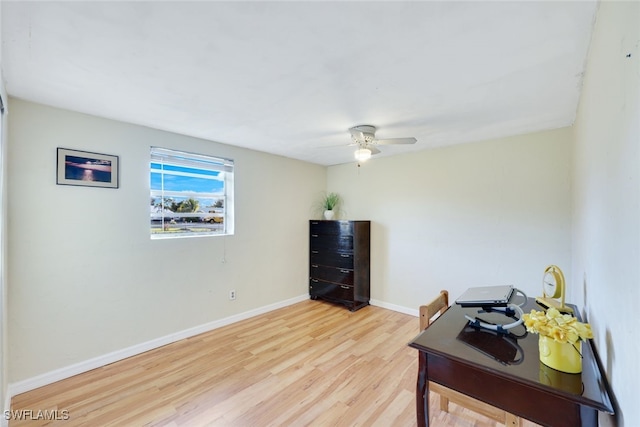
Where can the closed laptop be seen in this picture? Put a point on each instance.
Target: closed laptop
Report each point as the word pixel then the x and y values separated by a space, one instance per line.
pixel 486 296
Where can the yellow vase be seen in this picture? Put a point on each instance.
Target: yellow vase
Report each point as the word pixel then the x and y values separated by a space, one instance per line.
pixel 563 357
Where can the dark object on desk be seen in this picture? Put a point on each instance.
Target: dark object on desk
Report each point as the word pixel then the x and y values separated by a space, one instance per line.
pixel 498 346
pixel 486 296
pixel 494 299
pixel 520 389
pixel 339 262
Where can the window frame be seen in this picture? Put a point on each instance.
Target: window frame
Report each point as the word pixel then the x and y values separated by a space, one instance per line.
pixel 170 163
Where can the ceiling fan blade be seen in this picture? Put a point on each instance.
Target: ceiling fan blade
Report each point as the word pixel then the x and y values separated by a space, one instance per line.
pixel 374 150
pixel 392 141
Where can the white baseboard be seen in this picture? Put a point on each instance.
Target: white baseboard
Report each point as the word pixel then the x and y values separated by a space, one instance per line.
pixel 398 308
pixel 97 362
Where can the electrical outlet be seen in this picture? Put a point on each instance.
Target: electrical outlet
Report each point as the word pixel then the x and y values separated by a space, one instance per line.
pixel 232 294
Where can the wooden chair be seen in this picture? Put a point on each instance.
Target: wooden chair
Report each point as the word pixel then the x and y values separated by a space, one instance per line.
pixel 428 313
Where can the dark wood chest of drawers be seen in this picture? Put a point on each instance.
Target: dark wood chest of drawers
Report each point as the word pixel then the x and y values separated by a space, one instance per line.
pixel 339 262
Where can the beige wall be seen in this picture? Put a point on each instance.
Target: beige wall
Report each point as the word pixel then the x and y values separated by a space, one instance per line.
pixel 85 277
pixel 3 244
pixel 4 328
pixel 606 199
pixel 494 212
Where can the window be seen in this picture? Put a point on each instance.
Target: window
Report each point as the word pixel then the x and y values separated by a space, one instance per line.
pixel 191 194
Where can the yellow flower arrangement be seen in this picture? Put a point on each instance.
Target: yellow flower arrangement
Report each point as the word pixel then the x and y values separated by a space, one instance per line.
pixel 563 328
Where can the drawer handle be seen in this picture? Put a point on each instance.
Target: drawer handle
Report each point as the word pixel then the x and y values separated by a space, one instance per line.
pixel 345 271
pixel 344 287
pixel 345 255
pixel 314 266
pixel 315 252
pixel 314 235
pixel 314 280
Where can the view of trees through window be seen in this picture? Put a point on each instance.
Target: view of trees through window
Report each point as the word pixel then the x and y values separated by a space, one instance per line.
pixel 191 194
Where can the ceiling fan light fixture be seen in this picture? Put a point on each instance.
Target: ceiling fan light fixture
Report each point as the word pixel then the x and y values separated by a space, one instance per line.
pixel 363 154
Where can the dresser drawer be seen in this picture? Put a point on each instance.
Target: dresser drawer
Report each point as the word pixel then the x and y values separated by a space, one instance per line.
pixel 331 227
pixel 331 274
pixel 331 241
pixel 319 288
pixel 331 258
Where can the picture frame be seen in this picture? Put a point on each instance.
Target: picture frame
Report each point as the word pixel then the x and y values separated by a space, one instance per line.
pixel 83 168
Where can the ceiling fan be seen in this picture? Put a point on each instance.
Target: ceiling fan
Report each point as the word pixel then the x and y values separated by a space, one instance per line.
pixel 364 137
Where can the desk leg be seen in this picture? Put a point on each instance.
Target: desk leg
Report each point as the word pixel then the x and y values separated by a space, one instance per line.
pixel 422 391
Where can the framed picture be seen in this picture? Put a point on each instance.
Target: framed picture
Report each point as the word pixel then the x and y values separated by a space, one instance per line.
pixel 88 169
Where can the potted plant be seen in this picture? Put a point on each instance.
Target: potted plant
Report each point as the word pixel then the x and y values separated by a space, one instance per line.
pixel 561 337
pixel 330 205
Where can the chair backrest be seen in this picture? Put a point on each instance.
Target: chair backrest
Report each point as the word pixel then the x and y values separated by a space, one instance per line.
pixel 436 307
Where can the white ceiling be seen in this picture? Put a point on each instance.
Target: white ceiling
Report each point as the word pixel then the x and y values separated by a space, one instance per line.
pixel 291 78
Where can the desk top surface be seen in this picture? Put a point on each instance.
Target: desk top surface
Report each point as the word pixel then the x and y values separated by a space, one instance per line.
pixel 514 357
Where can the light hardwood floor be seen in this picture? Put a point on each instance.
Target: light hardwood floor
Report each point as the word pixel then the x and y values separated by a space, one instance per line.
pixel 313 363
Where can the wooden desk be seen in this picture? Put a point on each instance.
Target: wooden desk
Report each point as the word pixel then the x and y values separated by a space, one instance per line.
pixel 506 372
